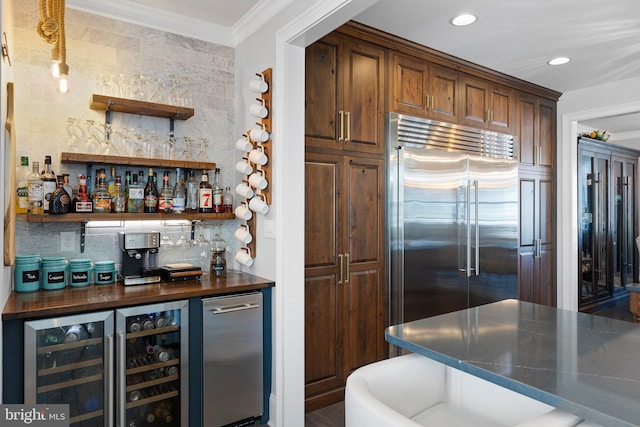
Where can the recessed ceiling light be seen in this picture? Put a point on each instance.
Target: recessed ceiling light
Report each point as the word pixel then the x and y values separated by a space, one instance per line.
pixel 559 60
pixel 464 19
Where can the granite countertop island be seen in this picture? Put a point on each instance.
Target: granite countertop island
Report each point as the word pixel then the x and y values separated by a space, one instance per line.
pixel 583 364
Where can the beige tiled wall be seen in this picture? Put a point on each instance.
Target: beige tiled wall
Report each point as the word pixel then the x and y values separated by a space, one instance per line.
pixel 98 45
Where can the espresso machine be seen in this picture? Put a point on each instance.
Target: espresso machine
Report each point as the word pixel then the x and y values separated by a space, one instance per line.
pixel 139 258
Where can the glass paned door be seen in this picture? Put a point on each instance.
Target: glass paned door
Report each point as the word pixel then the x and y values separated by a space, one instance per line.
pixel 153 343
pixel 68 361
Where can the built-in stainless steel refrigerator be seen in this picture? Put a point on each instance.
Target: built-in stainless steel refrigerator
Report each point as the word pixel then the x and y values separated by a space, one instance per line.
pixel 453 217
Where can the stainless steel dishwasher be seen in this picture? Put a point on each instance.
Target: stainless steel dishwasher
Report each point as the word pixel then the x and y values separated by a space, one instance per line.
pixel 232 359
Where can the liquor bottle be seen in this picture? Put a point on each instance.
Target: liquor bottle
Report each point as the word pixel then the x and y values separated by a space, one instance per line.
pixel 60 202
pixel 101 197
pixel 217 192
pixel 49 183
pixel 127 182
pixel 119 200
pixel 135 196
pixel 22 187
pixel 66 185
pixel 192 193
pixel 205 193
pixel 179 193
pixel 150 194
pixel 227 200
pixel 36 192
pixel 165 201
pixel 111 182
pixel 82 202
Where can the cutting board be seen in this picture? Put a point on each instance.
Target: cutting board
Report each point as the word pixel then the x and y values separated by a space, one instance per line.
pixel 9 182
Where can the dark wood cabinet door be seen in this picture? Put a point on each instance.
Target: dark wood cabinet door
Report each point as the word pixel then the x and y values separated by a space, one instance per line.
pixel 324 301
pixel 410 76
pixel 475 94
pixel 363 97
pixel 500 107
pixel 364 246
pixel 444 84
pixel 527 132
pixel 322 93
pixel 536 242
pixel 344 95
pixel 547 138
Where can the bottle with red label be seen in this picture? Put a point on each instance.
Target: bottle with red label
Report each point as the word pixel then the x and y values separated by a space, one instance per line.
pixel 205 194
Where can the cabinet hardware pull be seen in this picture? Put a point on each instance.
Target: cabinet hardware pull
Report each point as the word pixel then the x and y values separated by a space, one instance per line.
pixel 346 260
pixel 348 113
pixel 341 258
pixel 433 104
pixel 110 380
pixel 427 98
pixel 341 117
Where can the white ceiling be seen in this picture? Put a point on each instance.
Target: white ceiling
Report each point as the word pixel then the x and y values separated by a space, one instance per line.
pixel 516 37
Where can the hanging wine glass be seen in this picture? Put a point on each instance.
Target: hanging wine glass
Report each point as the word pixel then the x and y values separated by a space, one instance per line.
pixel 183 242
pixel 158 94
pixel 141 87
pixel 202 154
pixel 124 86
pixel 75 135
pixel 93 141
pixel 140 145
pixel 173 97
pixel 168 146
pixel 186 99
pixel 108 147
pixel 188 147
pixel 165 240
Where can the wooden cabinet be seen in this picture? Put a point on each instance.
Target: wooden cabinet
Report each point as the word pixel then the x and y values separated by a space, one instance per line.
pixel 344 271
pixel 607 218
pixel 423 89
pixel 344 95
pixel 536 255
pixel 536 135
pixel 487 105
pixel 536 131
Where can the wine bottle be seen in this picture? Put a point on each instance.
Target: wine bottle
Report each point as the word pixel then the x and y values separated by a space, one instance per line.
pixel 150 194
pixel 217 192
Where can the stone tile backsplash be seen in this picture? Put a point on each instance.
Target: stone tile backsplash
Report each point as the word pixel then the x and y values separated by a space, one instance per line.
pixel 99 45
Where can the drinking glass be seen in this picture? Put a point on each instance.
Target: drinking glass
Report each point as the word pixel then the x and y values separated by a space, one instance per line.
pixel 183 242
pixel 93 141
pixel 140 92
pixel 188 147
pixel 108 148
pixel 168 146
pixel 75 135
pixel 158 94
pixel 173 97
pixel 140 145
pixel 165 240
pixel 186 99
pixel 124 86
pixel 202 154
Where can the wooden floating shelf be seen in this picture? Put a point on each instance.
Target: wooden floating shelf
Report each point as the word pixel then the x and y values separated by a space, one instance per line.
pixel 132 106
pixel 84 217
pixel 101 159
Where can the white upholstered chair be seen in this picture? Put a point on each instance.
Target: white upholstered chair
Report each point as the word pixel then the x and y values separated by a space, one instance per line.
pixel 414 391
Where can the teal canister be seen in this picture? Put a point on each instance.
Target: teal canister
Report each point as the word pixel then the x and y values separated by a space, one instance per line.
pixel 26 277
pixel 80 272
pixel 104 272
pixel 54 273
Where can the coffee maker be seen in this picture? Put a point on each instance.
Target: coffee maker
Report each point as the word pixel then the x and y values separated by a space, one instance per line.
pixel 139 257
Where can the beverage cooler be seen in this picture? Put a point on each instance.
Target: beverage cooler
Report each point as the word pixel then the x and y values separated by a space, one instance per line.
pixel 114 368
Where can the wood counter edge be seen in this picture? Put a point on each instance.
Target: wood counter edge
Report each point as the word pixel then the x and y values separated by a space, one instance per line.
pixel 15 309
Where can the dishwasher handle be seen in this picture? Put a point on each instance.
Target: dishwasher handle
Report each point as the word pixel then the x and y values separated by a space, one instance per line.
pixel 234 307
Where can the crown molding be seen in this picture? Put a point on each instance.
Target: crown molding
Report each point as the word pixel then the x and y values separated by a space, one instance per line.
pixel 150 17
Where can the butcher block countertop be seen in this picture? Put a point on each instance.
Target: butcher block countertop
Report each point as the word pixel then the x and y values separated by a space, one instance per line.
pixel 33 305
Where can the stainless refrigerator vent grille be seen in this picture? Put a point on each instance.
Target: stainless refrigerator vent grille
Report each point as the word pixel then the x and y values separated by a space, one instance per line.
pixel 444 136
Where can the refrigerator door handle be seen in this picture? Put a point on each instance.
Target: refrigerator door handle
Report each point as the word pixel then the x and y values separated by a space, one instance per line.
pixel 463 229
pixel 468 226
pixel 232 308
pixel 108 419
pixel 477 221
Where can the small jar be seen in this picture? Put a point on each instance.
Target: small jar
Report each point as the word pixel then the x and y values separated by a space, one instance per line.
pixel 218 262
